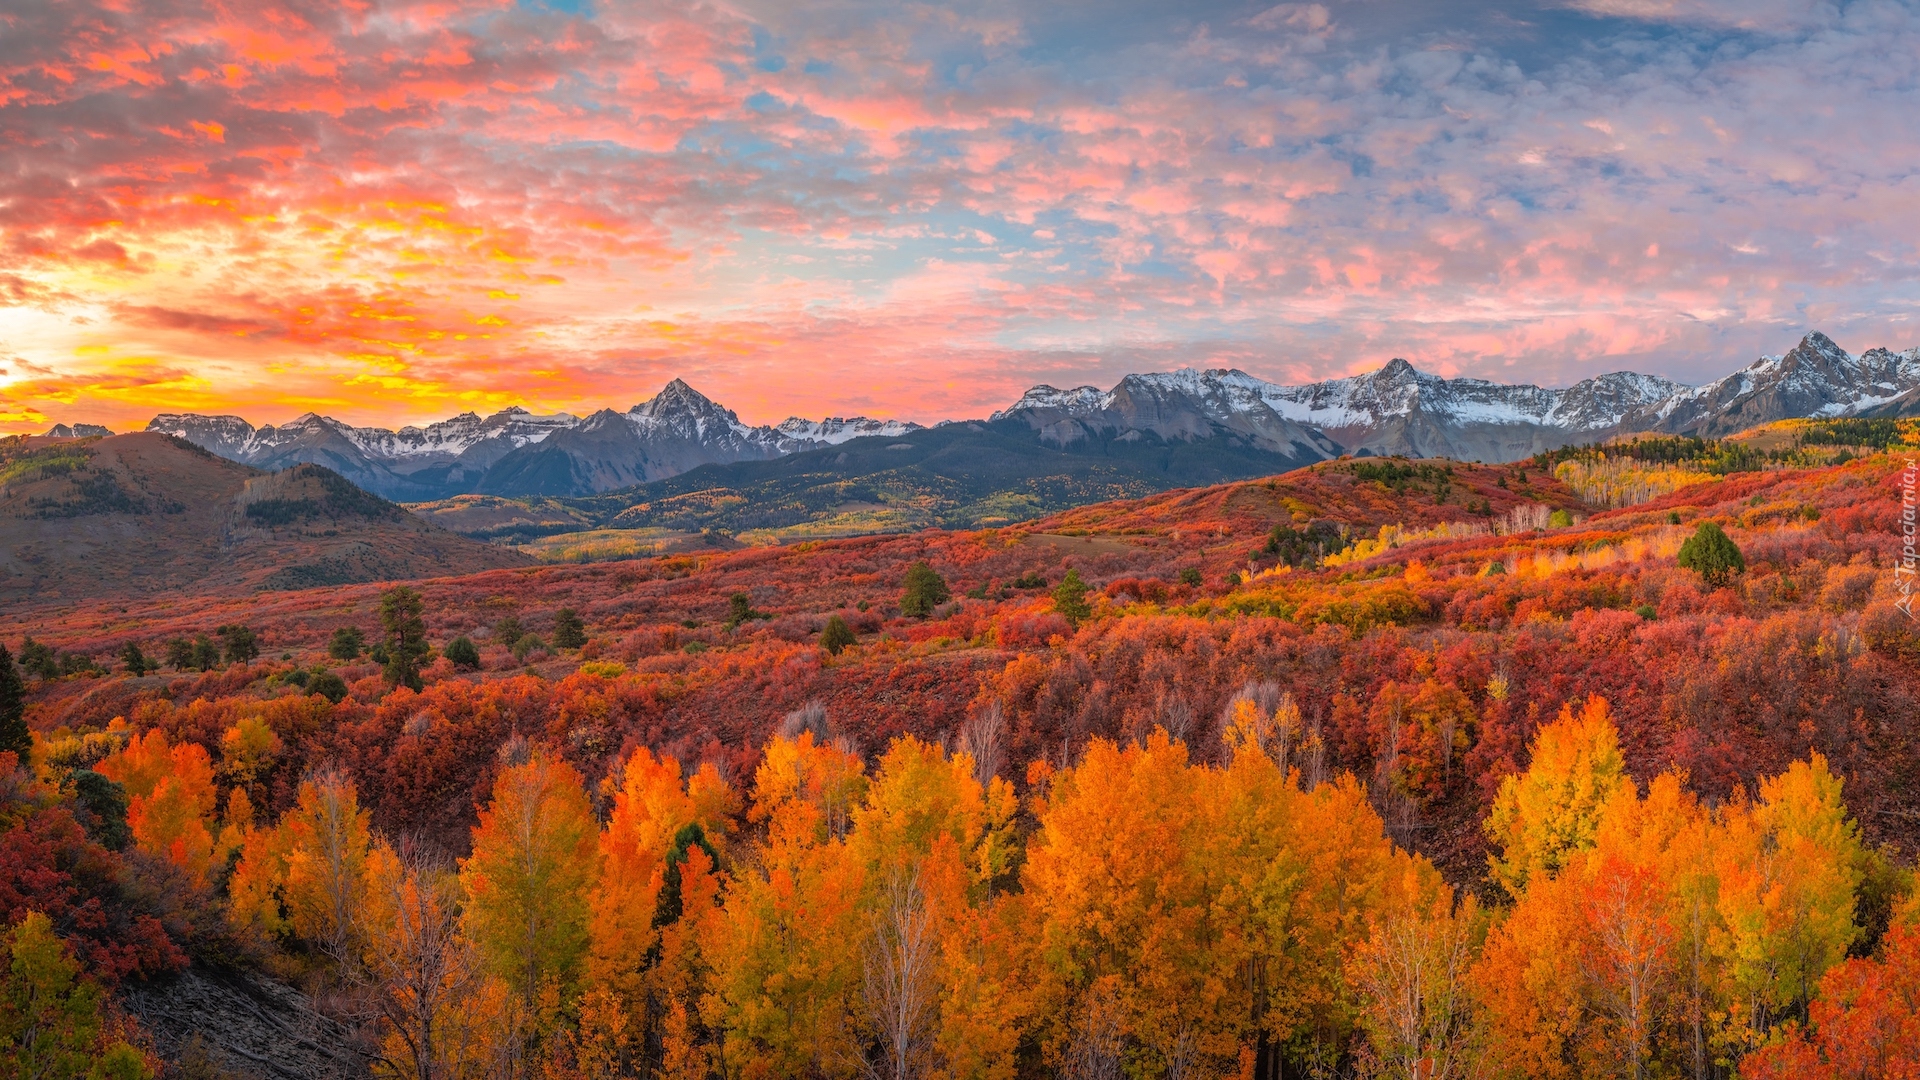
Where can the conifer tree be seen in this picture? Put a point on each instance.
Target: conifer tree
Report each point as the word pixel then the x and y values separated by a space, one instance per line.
pixel 837 636
pixel 346 643
pixel 1710 553
pixel 462 653
pixel 925 590
pixel 14 735
pixel 400 615
pixel 1070 598
pixel 568 631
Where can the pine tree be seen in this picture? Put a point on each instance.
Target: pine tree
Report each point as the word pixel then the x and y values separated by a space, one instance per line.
pixel 1070 598
pixel 1710 553
pixel 204 654
pixel 837 636
pixel 925 590
pixel 568 631
pixel 135 661
pixel 400 615
pixel 179 653
pixel 14 735
pixel 38 660
pixel 242 644
pixel 462 653
pixel 346 643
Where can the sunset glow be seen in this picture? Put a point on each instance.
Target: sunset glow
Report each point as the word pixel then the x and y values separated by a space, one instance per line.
pixel 390 212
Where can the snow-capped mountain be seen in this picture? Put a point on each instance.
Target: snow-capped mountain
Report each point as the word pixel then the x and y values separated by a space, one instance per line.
pixel 1244 424
pixel 516 452
pixel 1402 410
pixel 1178 406
pixel 1814 378
pixel 1396 410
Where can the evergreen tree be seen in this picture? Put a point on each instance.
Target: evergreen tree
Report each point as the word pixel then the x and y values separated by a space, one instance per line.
pixel 740 609
pixel 1070 598
pixel 179 653
pixel 205 655
pixel 837 636
pixel 1713 555
pixel 346 643
pixel 925 590
pixel 38 660
pixel 106 801
pixel 508 632
pixel 328 685
pixel 568 631
pixel 242 644
pixel 400 615
pixel 135 661
pixel 14 735
pixel 462 653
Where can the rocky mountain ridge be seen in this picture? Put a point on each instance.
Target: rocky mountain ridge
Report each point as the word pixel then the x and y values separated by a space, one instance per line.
pixel 1397 409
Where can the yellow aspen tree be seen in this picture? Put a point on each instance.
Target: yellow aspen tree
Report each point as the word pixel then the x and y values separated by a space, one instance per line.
pixel 785 976
pixel 422 970
pixel 1545 814
pixel 327 837
pixel 529 883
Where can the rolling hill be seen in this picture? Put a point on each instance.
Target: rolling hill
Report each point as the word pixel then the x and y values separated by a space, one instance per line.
pixel 143 513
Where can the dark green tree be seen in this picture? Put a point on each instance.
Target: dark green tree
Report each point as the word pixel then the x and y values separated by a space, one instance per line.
pixel 740 609
pixel 329 685
pixel 38 660
pixel 837 636
pixel 1070 598
pixel 179 653
pixel 135 661
pixel 1713 555
pixel 205 655
pixel 346 644
pixel 568 631
pixel 925 590
pixel 1190 576
pixel 242 644
pixel 74 663
pixel 508 632
pixel 14 735
pixel 106 803
pixel 668 908
pixel 462 653
pixel 528 644
pixel 400 616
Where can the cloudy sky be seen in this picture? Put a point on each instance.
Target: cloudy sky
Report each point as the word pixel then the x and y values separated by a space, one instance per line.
pixel 391 211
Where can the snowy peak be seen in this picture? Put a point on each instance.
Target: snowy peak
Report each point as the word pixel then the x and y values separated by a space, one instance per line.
pixel 1078 401
pixel 835 430
pixel 515 451
pixel 1816 378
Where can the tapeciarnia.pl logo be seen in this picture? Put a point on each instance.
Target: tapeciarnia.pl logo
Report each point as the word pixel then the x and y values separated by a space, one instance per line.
pixel 1904 567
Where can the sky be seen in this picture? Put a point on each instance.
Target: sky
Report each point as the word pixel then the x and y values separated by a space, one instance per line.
pixel 391 212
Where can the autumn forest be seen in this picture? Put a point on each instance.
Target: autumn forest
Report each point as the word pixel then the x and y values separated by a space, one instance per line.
pixel 1585 766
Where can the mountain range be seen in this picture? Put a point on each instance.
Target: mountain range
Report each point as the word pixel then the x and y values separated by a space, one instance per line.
pixel 517 453
pixel 1149 432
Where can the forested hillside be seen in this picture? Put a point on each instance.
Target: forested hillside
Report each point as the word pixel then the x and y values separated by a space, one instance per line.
pixel 1599 764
